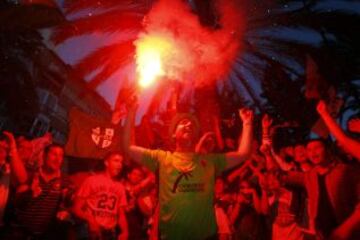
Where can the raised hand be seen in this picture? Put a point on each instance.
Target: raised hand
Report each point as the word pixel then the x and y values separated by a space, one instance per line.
pixel 11 139
pixel 321 107
pixel 246 115
pixel 266 121
pixel 354 125
pixel 265 149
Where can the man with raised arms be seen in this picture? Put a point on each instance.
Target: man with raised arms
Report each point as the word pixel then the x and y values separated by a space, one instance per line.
pixel 186 179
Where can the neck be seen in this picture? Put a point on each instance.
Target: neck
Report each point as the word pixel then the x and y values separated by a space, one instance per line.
pixel 181 148
pixel 185 146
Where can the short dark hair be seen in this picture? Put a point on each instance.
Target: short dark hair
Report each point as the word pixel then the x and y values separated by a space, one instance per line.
pixel 180 117
pixel 112 153
pixel 52 145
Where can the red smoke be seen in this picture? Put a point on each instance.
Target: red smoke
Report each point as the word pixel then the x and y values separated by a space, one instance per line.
pixel 201 54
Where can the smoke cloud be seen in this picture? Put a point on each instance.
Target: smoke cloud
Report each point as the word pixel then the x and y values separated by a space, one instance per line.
pixel 194 52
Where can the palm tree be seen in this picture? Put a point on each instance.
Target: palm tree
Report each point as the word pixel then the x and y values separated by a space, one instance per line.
pixel 274 45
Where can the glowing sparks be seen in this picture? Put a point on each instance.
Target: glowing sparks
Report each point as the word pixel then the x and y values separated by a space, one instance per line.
pixel 150 54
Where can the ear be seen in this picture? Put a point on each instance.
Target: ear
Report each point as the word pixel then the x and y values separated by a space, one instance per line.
pixel 106 163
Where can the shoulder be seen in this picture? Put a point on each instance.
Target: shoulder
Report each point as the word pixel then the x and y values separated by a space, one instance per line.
pixel 160 152
pixel 94 179
pixel 157 153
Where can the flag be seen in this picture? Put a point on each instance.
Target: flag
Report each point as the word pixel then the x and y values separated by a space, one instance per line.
pixel 90 136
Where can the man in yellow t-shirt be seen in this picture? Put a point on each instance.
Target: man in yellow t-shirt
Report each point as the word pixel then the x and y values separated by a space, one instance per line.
pixel 186 179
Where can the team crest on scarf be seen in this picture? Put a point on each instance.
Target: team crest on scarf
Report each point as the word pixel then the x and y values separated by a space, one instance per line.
pixel 102 137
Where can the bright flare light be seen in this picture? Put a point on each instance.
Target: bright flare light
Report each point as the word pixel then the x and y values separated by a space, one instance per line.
pixel 149 67
pixel 151 52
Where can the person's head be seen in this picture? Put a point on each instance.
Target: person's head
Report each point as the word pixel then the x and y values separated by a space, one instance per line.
pixel 25 148
pixel 317 151
pixel 288 151
pixel 271 182
pixel 245 189
pixel 220 185
pixel 135 175
pixel 113 164
pixel 185 132
pixel 300 154
pixel 353 125
pixel 53 157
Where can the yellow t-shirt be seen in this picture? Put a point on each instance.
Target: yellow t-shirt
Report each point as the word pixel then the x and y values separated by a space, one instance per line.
pixel 186 192
pixel 103 197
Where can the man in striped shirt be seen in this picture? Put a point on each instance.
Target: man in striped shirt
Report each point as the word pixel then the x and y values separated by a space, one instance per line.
pixel 41 202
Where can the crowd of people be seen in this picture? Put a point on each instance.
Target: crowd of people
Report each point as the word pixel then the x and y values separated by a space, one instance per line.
pixel 206 187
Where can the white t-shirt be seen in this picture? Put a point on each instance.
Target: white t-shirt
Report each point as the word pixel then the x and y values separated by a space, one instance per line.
pixel 103 197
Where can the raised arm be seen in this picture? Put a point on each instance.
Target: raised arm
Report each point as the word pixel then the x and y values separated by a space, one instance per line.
pixel 219 139
pixel 238 173
pixel 17 167
pixel 351 145
pixel 134 152
pixel 244 149
pixel 273 160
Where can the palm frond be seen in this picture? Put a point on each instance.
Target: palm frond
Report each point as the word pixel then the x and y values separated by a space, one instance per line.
pixel 112 22
pixel 330 33
pixel 104 56
pixel 111 57
pixel 72 6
